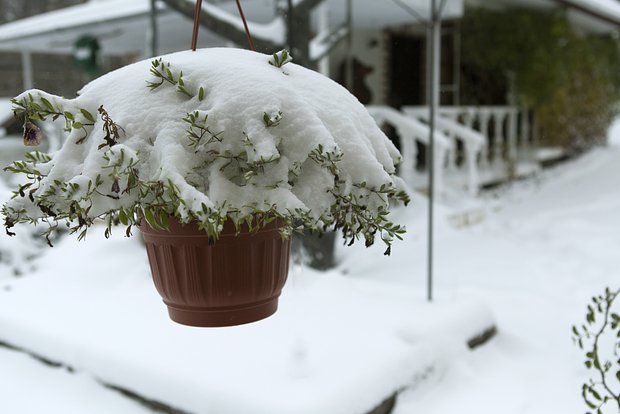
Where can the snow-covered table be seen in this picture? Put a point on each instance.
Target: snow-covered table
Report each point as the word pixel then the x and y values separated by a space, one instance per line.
pixel 338 344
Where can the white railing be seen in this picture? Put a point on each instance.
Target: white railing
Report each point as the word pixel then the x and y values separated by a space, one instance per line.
pixel 410 131
pixel 473 138
pixel 506 129
pixel 472 141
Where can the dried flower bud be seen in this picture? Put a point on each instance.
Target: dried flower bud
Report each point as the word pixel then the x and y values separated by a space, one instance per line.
pixel 115 187
pixel 32 134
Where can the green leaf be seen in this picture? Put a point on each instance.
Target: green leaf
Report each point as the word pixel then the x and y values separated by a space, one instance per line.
pixel 201 93
pixel 591 405
pixel 594 393
pixel 122 217
pixel 69 115
pixel 47 104
pixel 77 125
pixel 150 219
pixel 163 219
pixel 87 115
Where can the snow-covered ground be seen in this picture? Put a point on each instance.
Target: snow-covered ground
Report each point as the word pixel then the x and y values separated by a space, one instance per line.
pixel 545 248
pixel 30 387
pixel 342 340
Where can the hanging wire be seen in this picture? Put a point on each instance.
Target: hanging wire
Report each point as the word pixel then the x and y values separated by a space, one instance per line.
pixel 196 24
pixel 197 11
pixel 245 25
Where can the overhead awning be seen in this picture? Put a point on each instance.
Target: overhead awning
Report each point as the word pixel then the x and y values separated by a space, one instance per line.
pixel 120 25
pixel 597 13
pixel 589 15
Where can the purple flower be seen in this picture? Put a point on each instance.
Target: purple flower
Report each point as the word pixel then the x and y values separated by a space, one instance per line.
pixel 32 134
pixel 115 187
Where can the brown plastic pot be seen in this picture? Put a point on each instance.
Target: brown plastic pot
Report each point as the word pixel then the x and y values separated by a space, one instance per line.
pixel 233 281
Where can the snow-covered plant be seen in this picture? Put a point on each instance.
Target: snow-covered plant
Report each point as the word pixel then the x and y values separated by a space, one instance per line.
pixel 213 135
pixel 599 336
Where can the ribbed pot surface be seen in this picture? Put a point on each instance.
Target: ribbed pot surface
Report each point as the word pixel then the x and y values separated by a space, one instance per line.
pixel 233 281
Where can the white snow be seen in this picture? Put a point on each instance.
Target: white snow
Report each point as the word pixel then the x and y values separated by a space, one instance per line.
pixel 29 387
pixel 80 15
pixel 549 153
pixel 5 110
pixel 536 261
pixel 343 340
pixel 240 88
pixel 274 31
pixel 338 344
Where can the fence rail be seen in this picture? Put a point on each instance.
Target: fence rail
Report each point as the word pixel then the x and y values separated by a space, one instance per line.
pixel 476 144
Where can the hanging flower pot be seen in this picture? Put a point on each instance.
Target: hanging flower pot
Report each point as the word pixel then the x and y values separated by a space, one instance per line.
pixel 219 145
pixel 235 280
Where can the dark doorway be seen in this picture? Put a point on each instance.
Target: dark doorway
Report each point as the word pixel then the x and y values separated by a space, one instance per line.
pixel 406 70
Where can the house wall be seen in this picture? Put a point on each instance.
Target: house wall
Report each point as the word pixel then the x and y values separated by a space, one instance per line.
pixel 374 48
pixel 368 47
pixel 55 74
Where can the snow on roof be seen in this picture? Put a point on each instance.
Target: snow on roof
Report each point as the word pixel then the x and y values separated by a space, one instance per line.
pixel 120 25
pixel 595 15
pixel 607 7
pixel 590 15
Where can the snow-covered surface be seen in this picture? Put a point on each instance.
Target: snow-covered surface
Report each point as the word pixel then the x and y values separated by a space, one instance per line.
pixel 241 88
pixel 549 153
pixel 338 344
pixel 547 246
pixel 5 110
pixel 584 14
pixel 610 7
pixel 408 126
pixel 120 25
pixel 37 388
pixel 347 338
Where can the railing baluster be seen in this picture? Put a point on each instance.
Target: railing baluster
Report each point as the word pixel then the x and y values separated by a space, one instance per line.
pixel 498 135
pixel 512 135
pixel 483 118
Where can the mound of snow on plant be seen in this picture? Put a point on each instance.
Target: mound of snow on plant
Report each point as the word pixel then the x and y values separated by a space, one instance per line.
pixel 212 134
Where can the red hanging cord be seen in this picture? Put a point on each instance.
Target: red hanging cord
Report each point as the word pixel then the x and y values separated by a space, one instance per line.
pixel 245 25
pixel 197 11
pixel 196 24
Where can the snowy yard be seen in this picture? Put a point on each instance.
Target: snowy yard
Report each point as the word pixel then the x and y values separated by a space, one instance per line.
pixel 344 340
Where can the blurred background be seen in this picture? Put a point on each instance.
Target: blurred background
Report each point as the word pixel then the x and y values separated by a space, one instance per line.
pixel 524 94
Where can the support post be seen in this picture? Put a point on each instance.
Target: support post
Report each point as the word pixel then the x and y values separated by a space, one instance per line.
pixel 349 55
pixel 433 68
pixel 323 12
pixel 27 77
pixel 152 34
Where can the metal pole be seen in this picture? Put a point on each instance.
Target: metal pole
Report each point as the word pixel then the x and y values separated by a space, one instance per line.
pixel 27 77
pixel 349 56
pixel 289 25
pixel 151 34
pixel 323 26
pixel 433 57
